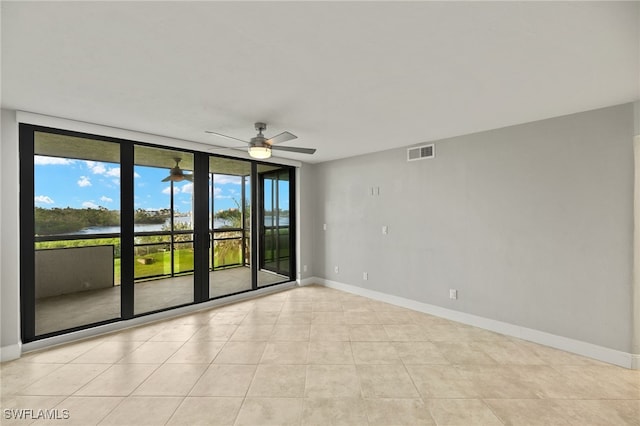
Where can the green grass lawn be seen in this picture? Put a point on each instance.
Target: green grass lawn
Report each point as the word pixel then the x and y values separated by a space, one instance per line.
pixel 161 263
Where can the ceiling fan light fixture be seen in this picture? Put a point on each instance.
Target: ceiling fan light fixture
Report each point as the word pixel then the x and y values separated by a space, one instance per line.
pixel 260 147
pixel 259 152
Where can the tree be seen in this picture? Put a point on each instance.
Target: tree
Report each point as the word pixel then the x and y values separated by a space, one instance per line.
pixel 224 248
pixel 233 217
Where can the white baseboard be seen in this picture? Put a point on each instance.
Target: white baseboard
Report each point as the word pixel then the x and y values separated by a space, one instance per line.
pixel 11 352
pixel 600 353
pixel 307 281
pixel 590 350
pixel 635 361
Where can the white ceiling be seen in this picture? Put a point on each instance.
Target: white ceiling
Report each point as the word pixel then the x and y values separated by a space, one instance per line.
pixel 346 77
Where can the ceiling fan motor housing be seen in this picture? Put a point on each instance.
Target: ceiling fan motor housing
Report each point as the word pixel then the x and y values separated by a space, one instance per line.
pixel 259 141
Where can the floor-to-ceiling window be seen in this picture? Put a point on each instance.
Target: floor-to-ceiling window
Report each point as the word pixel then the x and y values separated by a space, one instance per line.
pixel 112 229
pixel 76 231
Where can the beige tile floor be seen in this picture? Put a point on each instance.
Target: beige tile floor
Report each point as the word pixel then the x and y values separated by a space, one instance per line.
pixel 316 356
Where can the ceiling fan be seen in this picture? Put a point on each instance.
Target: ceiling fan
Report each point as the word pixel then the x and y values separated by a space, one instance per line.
pixel 176 174
pixel 260 146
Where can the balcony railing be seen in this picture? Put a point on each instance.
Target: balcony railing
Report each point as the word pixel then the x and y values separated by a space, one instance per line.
pixel 162 254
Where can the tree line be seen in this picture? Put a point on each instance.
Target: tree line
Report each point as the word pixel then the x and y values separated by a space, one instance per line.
pixel 65 220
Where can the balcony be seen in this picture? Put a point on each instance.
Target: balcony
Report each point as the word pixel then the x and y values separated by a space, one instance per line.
pixel 83 274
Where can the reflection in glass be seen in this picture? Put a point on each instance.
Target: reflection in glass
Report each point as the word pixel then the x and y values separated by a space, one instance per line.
pixel 163 228
pixel 77 231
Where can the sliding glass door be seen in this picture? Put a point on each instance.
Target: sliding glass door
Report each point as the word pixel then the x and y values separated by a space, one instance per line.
pixel 275 219
pixel 112 229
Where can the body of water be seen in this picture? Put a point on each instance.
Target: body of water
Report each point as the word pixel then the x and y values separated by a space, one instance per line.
pixel 141 227
pixel 154 227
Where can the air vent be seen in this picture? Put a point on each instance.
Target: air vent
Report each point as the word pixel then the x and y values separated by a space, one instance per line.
pixel 421 152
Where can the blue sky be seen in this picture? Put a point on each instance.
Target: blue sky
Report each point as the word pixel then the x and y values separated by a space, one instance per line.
pixel 61 182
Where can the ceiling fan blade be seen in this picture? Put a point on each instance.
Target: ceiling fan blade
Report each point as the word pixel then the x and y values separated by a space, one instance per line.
pixel 282 137
pixel 167 179
pixel 188 177
pixel 225 148
pixel 294 149
pixel 225 136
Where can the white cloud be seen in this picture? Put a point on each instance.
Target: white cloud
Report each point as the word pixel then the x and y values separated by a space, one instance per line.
pixel 136 175
pixel 84 181
pixel 41 160
pixel 99 168
pixel 224 179
pixel 217 193
pixel 90 205
pixel 105 199
pixel 115 172
pixel 43 199
pixel 96 167
pixel 187 188
pixel 167 190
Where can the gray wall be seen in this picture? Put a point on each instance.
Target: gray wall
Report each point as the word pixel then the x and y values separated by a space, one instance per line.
pixel 306 220
pixel 532 224
pixel 9 240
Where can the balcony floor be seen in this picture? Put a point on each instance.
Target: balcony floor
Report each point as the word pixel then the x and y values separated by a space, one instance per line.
pixel 76 309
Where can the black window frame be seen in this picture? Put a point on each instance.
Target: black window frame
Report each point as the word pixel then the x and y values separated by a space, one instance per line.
pixel 201 227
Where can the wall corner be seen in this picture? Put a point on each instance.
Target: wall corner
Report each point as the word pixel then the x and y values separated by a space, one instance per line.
pixel 10 342
pixel 635 290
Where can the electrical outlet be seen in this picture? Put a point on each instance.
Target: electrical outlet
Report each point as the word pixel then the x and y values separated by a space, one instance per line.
pixel 304 268
pixel 365 276
pixel 385 230
pixel 336 270
pixel 453 294
pixel 324 227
